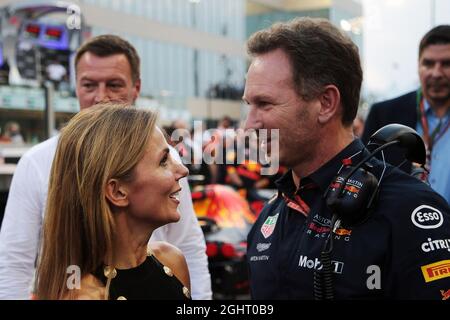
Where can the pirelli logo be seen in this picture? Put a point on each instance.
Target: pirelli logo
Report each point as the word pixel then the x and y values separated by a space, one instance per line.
pixel 436 271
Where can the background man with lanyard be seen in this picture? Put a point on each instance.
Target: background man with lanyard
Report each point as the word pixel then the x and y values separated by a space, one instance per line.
pixel 426 110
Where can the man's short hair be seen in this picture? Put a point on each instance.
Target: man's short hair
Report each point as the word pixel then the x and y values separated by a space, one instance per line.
pixel 320 55
pixel 437 35
pixel 108 45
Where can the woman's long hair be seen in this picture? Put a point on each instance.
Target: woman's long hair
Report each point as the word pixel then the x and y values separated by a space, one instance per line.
pixel 100 143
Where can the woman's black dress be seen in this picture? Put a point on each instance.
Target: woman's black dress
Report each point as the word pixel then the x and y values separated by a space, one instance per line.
pixel 150 281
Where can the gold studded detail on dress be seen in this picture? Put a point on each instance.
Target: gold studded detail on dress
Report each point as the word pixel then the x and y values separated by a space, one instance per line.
pixel 186 292
pixel 168 271
pixel 109 272
pixel 121 298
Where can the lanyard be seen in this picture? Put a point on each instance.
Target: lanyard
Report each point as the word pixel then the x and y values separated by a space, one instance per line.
pixel 298 204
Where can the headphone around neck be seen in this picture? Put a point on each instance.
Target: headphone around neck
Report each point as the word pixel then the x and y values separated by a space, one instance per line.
pixel 352 192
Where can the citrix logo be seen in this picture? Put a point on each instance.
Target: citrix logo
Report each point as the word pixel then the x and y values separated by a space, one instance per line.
pixel 432 245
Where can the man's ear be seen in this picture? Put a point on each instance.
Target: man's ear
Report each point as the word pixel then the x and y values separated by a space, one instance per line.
pixel 330 99
pixel 137 89
pixel 117 193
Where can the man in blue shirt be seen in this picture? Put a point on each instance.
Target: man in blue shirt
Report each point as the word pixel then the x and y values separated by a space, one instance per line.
pixel 305 80
pixel 427 109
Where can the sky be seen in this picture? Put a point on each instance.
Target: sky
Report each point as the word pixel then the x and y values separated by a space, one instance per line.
pixel 392 32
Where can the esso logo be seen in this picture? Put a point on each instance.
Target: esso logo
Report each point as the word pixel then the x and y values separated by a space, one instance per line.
pixel 426 217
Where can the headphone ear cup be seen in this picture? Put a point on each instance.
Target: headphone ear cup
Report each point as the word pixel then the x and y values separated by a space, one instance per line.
pixel 351 202
pixel 333 194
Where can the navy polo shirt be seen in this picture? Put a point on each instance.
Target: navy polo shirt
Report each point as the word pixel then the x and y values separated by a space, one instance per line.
pixel 402 251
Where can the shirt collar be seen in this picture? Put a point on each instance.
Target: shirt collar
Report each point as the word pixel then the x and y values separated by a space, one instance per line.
pixel 322 177
pixel 429 111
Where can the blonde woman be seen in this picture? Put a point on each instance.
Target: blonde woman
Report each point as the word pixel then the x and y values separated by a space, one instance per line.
pixel 112 183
